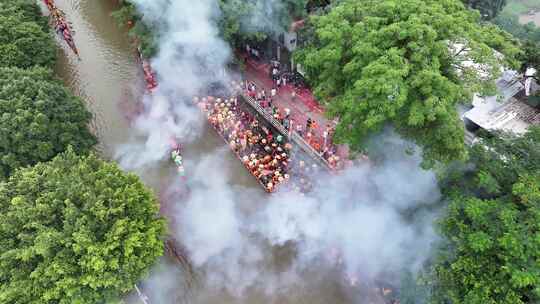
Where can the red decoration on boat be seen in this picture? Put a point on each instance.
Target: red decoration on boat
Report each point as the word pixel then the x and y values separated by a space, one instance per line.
pixel 61 26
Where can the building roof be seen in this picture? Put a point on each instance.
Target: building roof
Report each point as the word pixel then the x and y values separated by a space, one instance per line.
pixel 507 111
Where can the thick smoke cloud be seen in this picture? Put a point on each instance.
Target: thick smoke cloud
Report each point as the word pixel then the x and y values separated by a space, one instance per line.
pixel 355 221
pixel 353 225
pixel 191 57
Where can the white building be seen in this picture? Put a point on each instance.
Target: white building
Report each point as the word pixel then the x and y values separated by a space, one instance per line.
pixel 509 111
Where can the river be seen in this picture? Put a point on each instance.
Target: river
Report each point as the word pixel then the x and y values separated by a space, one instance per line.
pixel 108 78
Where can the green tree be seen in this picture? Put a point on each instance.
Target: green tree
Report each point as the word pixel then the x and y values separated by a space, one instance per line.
pixel 39 119
pixel 75 230
pixel 492 226
pixel 24 43
pixel 254 20
pixel 510 23
pixel 232 25
pixel 403 62
pixel 529 34
pixel 27 10
pixel 531 56
pixel 489 9
pixel 143 34
pixel 316 4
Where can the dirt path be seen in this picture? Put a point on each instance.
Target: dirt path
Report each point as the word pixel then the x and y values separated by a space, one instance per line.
pixel 526 18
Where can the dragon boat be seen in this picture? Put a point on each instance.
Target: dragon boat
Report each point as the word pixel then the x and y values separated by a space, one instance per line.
pixel 61 26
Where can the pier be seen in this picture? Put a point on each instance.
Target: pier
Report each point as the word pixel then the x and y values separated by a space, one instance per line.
pixel 292 135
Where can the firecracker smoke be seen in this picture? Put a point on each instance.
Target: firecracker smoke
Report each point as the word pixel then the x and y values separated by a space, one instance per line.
pixel 354 225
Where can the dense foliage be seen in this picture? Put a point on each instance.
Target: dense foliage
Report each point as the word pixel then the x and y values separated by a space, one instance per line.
pixel 238 21
pixel 27 10
pixel 493 225
pixel 39 119
pixel 404 62
pixel 529 34
pixel 510 23
pixel 254 20
pixel 231 25
pixel 488 9
pixel 75 230
pixel 24 43
pixel 531 56
pixel 143 35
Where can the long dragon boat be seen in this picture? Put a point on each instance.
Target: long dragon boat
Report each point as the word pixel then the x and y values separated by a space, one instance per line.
pixel 149 74
pixel 61 26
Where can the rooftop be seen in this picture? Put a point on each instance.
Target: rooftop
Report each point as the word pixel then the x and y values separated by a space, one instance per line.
pixel 508 111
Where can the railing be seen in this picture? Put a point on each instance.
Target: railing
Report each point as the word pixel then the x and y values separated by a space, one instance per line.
pixel 254 104
pixel 141 295
pixel 295 137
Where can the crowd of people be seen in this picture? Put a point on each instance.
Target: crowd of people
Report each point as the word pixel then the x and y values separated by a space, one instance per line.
pixel 61 25
pixel 149 75
pixel 265 153
pixel 310 131
pixel 320 138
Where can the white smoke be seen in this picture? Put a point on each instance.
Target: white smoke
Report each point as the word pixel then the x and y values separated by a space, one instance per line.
pixel 358 216
pixel 262 15
pixel 191 57
pixel 353 223
pixel 163 284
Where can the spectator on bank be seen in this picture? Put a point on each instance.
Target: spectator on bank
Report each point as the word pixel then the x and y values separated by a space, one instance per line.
pixel 309 123
pixel 286 123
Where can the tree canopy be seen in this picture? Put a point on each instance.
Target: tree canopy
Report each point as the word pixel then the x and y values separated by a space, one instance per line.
pixel 406 63
pixel 488 9
pixel 531 56
pixel 24 44
pixel 241 21
pixel 27 10
pixel 143 34
pixel 75 230
pixel 510 23
pixel 492 226
pixel 529 34
pixel 39 119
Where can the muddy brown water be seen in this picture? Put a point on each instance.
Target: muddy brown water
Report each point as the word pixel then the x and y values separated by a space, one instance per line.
pixel 107 78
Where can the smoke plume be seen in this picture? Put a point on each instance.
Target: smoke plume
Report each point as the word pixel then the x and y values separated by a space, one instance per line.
pixel 240 239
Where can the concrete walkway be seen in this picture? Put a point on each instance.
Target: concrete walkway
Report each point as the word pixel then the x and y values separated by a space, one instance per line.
pixel 302 106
